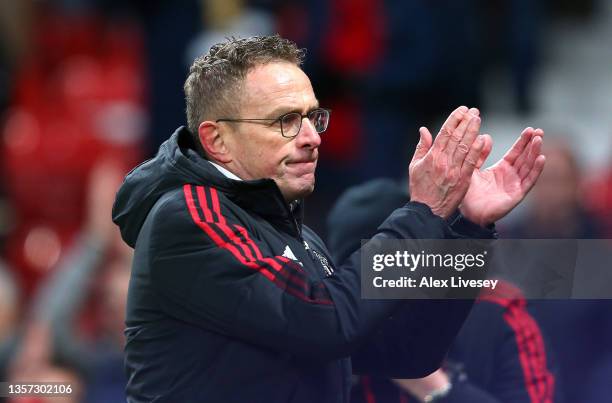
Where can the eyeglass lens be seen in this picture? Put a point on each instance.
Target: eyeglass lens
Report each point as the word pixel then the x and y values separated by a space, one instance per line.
pixel 292 122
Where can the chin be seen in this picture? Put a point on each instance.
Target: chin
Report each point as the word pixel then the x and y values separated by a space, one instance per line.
pixel 300 191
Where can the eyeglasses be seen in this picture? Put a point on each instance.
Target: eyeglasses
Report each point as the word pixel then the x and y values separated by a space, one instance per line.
pixel 291 123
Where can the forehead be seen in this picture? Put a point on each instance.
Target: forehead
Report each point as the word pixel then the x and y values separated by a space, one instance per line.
pixel 278 84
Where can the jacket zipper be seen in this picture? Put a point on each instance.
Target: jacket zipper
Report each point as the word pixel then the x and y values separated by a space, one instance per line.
pixel 314 255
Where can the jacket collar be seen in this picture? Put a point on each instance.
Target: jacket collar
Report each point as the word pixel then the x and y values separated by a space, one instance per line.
pixel 261 197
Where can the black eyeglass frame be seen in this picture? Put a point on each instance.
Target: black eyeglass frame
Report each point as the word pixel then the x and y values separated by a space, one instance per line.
pixel 280 119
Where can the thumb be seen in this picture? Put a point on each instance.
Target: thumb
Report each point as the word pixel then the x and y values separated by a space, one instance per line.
pixel 424 144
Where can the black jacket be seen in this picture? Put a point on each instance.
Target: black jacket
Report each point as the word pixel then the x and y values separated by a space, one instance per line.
pixel 500 354
pixel 233 299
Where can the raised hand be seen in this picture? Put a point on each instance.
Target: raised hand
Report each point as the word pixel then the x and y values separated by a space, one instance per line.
pixel 495 191
pixel 441 170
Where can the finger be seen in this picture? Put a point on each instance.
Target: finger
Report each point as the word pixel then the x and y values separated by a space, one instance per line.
pixel 449 127
pixel 474 111
pixel 464 146
pixel 535 148
pixel 519 146
pixel 487 146
pixel 469 163
pixel 528 155
pixel 459 134
pixel 530 180
pixel 423 145
pixel 522 159
pixel 538 132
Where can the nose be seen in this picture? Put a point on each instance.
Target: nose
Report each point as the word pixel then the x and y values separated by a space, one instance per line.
pixel 308 136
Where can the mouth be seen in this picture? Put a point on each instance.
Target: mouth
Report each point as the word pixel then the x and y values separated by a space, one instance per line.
pixel 309 161
pixel 304 166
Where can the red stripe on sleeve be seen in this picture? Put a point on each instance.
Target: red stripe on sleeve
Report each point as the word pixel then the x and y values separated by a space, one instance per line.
pixel 543 379
pixel 246 257
pixel 221 224
pixel 203 203
pixel 272 261
pixel 523 357
pixel 296 275
pixel 246 236
pixel 538 379
pixel 368 393
pixel 215 237
pixel 215 202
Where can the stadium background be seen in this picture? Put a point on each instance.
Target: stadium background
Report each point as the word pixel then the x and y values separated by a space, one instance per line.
pixel 89 88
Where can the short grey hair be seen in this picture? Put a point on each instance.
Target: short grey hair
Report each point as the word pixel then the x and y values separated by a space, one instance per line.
pixel 213 84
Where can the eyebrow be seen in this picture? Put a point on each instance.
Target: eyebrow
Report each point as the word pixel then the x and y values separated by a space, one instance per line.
pixel 281 110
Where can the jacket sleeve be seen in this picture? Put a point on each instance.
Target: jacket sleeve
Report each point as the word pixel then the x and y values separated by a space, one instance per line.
pixel 421 331
pixel 511 362
pixel 414 341
pixel 502 357
pixel 209 270
pixel 524 369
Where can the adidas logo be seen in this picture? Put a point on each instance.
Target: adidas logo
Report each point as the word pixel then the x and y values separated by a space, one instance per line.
pixel 288 253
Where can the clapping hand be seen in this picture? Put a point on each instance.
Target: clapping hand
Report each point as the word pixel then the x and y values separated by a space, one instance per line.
pixel 441 170
pixel 495 191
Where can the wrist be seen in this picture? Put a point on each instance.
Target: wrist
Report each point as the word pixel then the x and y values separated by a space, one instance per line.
pixel 438 386
pixel 427 389
pixel 438 393
pixel 480 221
pixel 435 210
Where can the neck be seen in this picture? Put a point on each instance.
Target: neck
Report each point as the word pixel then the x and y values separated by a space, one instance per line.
pixel 224 170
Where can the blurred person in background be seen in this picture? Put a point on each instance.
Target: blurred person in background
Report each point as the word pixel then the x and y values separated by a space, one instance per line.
pixel 55 374
pixel 168 30
pixel 499 355
pixel 599 198
pixel 76 98
pixel 92 280
pixel 76 320
pixel 175 35
pixel 556 208
pixel 225 18
pixel 33 362
pixel 579 330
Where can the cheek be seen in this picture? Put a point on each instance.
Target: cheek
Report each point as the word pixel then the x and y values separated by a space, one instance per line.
pixel 264 155
pixel 273 158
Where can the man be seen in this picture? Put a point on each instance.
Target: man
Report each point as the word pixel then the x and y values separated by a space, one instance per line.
pixel 231 298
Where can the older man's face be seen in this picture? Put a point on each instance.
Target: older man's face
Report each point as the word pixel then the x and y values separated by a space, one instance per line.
pixel 259 150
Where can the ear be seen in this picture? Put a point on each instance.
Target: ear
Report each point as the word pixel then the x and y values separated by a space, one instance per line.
pixel 213 143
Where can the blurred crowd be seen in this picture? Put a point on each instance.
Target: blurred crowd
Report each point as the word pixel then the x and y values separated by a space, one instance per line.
pixel 89 88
